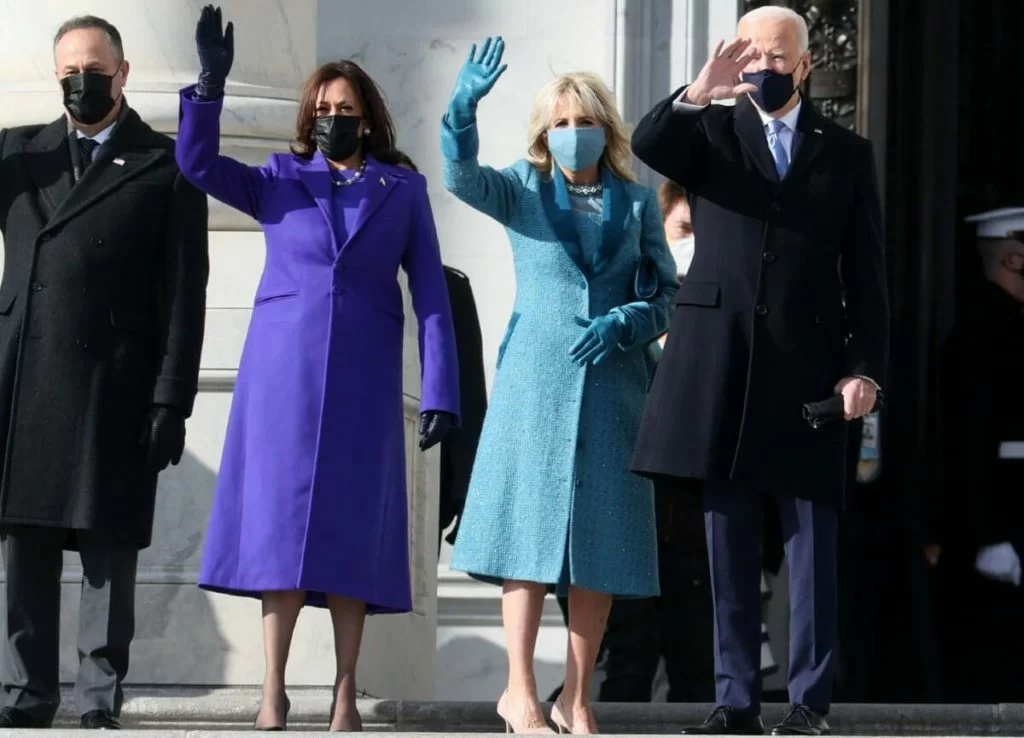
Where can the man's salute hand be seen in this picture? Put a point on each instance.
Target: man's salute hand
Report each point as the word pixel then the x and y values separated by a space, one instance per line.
pixel 720 77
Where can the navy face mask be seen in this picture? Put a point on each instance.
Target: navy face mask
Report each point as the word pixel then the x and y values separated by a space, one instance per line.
pixel 774 89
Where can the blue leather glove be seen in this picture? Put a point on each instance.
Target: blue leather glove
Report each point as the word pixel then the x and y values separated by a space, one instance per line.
pixel 434 426
pixel 476 79
pixel 216 47
pixel 602 336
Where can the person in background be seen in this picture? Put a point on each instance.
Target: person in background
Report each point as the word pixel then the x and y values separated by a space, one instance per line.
pixel 787 212
pixel 102 312
pixel 551 500
pixel 982 546
pixel 458 447
pixel 675 212
pixel 311 504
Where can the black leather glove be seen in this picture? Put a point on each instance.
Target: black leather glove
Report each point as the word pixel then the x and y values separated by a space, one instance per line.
pixel 824 412
pixel 434 425
pixel 216 47
pixel 163 437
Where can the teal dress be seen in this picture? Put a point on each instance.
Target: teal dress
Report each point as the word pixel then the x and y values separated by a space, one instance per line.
pixel 551 498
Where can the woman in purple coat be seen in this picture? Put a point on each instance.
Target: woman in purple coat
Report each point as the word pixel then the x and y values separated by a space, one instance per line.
pixel 310 506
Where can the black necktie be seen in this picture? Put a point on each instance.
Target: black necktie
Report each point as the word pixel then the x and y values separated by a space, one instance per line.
pixel 86 147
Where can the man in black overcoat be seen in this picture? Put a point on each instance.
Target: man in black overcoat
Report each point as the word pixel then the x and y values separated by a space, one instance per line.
pixel 102 306
pixel 458 448
pixel 786 212
pixel 982 384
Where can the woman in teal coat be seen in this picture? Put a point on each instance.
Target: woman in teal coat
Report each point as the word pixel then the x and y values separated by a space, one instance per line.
pixel 552 500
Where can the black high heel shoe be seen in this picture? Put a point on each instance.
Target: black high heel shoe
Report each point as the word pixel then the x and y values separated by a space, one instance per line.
pixel 287 707
pixel 330 718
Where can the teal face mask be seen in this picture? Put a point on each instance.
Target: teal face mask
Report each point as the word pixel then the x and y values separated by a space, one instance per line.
pixel 576 149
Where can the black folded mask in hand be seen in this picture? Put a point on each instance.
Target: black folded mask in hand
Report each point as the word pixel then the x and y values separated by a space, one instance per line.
pixel 821 413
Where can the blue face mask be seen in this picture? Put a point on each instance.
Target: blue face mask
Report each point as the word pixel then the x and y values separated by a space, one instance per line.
pixel 576 149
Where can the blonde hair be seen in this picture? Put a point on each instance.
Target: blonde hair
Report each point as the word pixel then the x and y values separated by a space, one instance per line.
pixel 594 98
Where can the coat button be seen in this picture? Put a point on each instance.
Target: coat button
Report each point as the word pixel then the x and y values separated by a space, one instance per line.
pixel 769 256
pixel 36 287
pixel 761 309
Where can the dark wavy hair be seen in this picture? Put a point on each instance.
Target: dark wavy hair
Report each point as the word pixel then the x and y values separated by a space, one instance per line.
pixel 380 143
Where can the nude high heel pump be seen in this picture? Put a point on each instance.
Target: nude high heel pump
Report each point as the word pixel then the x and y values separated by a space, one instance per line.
pixel 558 718
pixel 511 727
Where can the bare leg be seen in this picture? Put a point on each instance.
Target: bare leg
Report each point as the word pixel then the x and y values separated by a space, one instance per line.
pixel 280 612
pixel 521 606
pixel 588 616
pixel 348 617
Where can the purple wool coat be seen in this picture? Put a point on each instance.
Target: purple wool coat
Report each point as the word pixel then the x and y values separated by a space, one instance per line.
pixel 311 492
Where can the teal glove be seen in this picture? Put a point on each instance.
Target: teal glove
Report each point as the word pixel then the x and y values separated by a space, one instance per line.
pixel 476 79
pixel 602 336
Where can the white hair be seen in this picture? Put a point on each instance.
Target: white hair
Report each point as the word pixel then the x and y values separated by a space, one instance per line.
pixel 778 13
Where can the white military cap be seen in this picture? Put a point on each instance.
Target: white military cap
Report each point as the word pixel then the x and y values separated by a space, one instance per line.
pixel 1001 223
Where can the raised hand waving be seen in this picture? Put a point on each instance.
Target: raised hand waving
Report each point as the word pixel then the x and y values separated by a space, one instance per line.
pixel 720 77
pixel 216 47
pixel 476 78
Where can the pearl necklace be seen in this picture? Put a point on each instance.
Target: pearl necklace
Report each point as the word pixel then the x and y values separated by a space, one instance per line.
pixel 342 182
pixel 584 190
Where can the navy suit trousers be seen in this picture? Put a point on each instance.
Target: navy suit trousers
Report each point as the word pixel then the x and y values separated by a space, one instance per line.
pixel 733 521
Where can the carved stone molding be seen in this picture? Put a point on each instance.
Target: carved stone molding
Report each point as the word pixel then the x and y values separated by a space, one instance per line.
pixel 833 29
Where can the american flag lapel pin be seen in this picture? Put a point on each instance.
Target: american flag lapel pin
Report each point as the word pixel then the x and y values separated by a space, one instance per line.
pixel 119 161
pixel 817 130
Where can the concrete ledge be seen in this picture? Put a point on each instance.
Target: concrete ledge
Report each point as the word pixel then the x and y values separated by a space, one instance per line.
pixel 177 711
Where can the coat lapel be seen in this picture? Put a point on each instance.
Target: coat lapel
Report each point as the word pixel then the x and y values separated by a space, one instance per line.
pixel 750 131
pixel 614 212
pixel 48 158
pixel 116 162
pixel 558 210
pixel 808 139
pixel 379 184
pixel 316 176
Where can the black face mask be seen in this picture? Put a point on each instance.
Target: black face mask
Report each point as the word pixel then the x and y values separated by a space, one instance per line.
pixel 337 136
pixel 87 96
pixel 773 88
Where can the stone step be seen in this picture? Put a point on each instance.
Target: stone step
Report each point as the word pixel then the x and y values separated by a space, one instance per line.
pixel 181 710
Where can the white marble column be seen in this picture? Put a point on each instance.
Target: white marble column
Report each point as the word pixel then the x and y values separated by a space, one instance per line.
pixel 185 636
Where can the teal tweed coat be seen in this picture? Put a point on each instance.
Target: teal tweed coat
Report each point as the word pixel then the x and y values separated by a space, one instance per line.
pixel 551 498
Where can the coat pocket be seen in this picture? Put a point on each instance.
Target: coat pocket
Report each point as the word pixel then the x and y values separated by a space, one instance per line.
pixel 129 321
pixel 504 341
pixel 702 294
pixel 264 299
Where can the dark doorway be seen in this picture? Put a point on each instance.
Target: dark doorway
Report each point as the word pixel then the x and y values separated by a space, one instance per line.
pixel 953 120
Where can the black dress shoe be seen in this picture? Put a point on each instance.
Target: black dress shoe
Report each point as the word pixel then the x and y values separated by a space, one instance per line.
pixel 100 720
pixel 802 720
pixel 729 721
pixel 12 717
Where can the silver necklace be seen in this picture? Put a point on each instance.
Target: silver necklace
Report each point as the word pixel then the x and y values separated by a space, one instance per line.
pixel 585 190
pixel 342 182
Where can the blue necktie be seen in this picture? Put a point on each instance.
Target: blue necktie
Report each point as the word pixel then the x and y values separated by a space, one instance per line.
pixel 776 127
